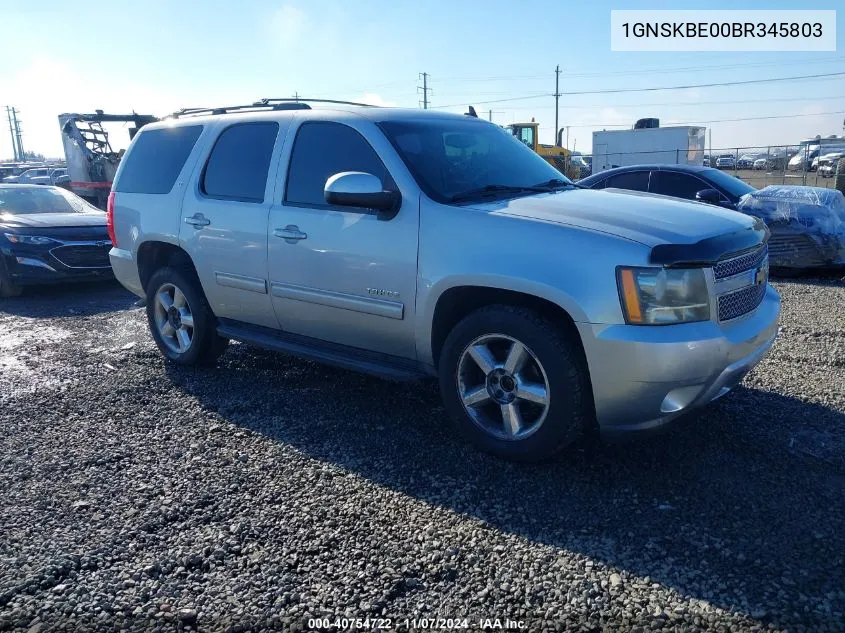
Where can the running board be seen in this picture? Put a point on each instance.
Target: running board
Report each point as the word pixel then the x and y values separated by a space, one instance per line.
pixel 343 356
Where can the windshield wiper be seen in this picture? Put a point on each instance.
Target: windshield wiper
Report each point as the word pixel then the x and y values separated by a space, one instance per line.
pixel 489 190
pixel 558 183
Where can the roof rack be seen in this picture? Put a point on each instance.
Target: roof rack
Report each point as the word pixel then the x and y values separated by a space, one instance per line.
pixel 289 103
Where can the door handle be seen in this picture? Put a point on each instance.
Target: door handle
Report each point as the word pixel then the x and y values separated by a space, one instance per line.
pixel 291 234
pixel 198 220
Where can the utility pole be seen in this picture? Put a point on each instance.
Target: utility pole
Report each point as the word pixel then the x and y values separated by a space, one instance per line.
pixel 490 114
pixel 557 98
pixel 18 134
pixel 424 90
pixel 12 133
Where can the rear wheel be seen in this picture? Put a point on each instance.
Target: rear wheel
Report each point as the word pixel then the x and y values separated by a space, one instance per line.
pixel 180 319
pixel 514 383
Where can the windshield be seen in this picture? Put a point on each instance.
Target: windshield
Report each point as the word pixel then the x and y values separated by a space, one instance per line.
pixel 734 186
pixel 40 199
pixel 451 157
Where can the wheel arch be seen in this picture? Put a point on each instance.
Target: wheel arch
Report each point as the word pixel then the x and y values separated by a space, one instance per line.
pixel 152 255
pixel 458 301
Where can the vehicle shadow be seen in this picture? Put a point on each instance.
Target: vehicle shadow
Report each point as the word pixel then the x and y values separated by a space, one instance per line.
pixel 719 508
pixel 61 300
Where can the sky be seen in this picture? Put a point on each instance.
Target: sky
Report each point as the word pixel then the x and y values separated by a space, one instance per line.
pixel 156 57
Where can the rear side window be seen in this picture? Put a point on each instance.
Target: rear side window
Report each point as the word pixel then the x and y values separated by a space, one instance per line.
pixel 238 165
pixel 323 149
pixel 156 159
pixel 633 180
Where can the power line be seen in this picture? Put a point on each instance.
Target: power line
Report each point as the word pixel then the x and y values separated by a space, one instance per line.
pixel 642 71
pixel 675 104
pixel 656 70
pixel 460 105
pixel 657 88
pixel 752 118
pixel 709 85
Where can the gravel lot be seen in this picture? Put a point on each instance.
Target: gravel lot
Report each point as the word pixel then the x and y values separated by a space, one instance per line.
pixel 138 496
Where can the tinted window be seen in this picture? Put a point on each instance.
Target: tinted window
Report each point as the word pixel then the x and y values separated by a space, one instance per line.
pixel 453 156
pixel 238 165
pixel 678 185
pixel 634 180
pixel 156 158
pixel 323 149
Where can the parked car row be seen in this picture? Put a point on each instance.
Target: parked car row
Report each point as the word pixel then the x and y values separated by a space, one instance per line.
pixel 38 176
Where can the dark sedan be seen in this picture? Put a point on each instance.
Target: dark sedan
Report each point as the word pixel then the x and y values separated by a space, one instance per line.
pixel 691 182
pixel 49 235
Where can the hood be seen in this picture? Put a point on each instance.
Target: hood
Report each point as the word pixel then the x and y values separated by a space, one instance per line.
pixel 52 220
pixel 646 218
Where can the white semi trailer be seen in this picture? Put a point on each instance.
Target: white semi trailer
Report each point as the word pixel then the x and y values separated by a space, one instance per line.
pixel 681 145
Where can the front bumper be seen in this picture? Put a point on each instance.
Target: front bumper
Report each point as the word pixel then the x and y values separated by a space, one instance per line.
pixel 34 265
pixel 645 376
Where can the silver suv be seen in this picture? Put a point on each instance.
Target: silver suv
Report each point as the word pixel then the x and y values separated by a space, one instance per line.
pixel 406 244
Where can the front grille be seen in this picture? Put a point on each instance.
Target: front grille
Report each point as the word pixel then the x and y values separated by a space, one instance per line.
pixel 736 265
pixel 735 304
pixel 87 256
pixel 794 250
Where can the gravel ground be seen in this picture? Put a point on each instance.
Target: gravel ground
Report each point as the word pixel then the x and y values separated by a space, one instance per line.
pixel 137 496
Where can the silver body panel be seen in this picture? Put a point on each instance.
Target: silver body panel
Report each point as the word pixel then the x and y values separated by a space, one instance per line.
pixel 348 277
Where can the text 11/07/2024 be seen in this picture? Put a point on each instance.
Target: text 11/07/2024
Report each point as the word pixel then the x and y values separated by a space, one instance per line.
pixel 415 624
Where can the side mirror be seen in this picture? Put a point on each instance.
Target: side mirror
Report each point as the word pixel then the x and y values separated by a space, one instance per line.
pixel 361 190
pixel 710 196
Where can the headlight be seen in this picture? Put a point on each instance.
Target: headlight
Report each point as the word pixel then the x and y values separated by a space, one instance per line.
pixel 662 296
pixel 32 240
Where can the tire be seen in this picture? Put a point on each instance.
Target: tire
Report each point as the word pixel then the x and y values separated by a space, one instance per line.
pixel 7 288
pixel 544 424
pixel 200 344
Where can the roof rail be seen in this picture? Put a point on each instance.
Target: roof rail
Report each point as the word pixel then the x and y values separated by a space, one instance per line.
pixel 301 99
pixel 289 103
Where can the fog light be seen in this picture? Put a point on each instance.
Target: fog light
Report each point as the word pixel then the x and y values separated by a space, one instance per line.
pixel 680 398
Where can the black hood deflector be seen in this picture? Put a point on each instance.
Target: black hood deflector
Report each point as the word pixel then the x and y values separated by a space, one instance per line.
pixel 708 251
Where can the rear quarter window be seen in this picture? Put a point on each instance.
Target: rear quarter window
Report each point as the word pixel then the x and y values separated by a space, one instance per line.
pixel 156 158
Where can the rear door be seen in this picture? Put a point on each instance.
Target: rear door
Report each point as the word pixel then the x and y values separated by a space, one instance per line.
pixel 224 219
pixel 343 274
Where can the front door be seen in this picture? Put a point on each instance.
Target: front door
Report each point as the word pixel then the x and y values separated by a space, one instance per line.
pixel 224 220
pixel 342 274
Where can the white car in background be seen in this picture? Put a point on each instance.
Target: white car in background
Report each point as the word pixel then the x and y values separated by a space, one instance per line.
pixel 760 164
pixel 725 162
pixel 827 164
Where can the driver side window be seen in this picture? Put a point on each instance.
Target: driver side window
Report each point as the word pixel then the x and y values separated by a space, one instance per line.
pixel 323 149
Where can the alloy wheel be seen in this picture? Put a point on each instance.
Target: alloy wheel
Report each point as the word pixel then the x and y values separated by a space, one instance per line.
pixel 173 318
pixel 503 386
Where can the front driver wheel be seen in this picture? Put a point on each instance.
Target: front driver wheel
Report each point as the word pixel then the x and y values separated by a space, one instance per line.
pixel 515 384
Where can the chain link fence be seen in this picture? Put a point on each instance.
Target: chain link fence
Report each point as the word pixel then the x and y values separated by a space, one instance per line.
pixel 758 166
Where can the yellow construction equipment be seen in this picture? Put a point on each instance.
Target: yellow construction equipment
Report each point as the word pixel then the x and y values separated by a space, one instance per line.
pixel 558 156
